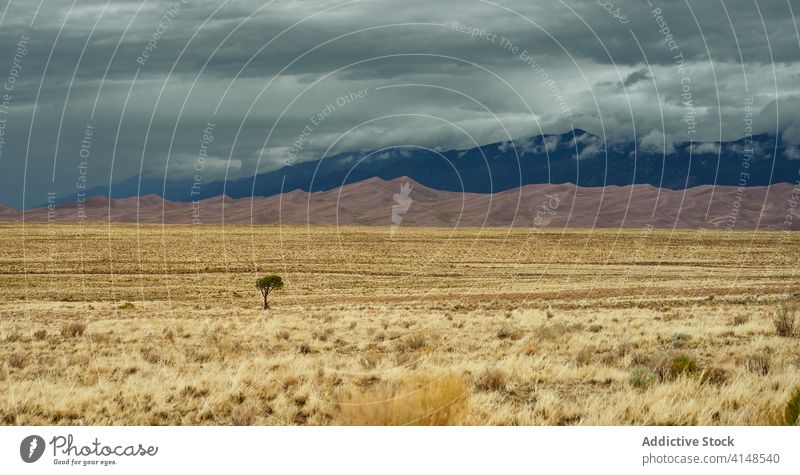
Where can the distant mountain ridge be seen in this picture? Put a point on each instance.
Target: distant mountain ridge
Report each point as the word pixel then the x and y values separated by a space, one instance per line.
pixel 401 202
pixel 575 157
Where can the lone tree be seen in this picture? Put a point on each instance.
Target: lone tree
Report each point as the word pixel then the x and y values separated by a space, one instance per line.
pixel 267 284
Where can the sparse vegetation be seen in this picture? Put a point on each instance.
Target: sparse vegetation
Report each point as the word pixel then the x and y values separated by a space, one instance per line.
pixel 715 376
pixel 595 328
pixel 642 377
pixel 18 360
pixel 683 365
pixel 787 318
pixel 491 379
pixel 268 284
pixel 759 363
pixel 508 333
pixel 421 401
pixel 679 340
pixel 741 319
pixel 74 329
pixel 791 413
pixel 398 325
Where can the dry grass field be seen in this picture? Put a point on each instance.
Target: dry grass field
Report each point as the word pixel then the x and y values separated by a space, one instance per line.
pixel 119 324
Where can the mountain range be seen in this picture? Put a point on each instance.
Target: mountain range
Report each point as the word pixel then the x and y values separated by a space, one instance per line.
pixel 575 157
pixel 404 202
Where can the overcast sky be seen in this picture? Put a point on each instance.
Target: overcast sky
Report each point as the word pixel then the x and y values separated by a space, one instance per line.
pixel 147 77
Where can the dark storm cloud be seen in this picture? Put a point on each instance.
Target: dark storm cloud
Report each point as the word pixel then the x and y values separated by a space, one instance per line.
pixel 636 76
pixel 260 71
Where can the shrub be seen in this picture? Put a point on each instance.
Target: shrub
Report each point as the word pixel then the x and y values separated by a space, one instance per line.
pixel 40 335
pixel 194 392
pixel 491 379
pixel 419 401
pixel 585 356
pixel 507 332
pixel 670 366
pixel 714 375
pixel 18 360
pixel 683 364
pixel 595 327
pixel 640 358
pixel 791 413
pixel 417 342
pixel 150 354
pixel 679 340
pixel 758 363
pixel 13 337
pixel 73 329
pixel 304 348
pixel 555 331
pixel 786 318
pixel 641 377
pixel 126 306
pixel 244 414
pixel 741 319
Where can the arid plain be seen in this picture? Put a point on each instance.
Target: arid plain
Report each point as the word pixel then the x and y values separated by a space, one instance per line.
pixel 125 324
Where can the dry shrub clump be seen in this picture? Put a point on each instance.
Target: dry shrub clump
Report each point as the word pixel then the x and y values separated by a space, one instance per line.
pixel 508 333
pixel 679 340
pixel 72 330
pixel 556 330
pixel 417 342
pixel 715 376
pixel 491 379
pixel 419 401
pixel 759 363
pixel 150 354
pixel 791 413
pixel 682 364
pixel 740 319
pixel 585 356
pixel 642 377
pixel 17 360
pixel 787 318
pixel 668 366
pixel 13 337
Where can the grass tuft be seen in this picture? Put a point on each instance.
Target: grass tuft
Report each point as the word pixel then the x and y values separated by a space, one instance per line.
pixel 791 413
pixel 419 401
pixel 491 379
pixel 642 377
pixel 786 318
pixel 72 330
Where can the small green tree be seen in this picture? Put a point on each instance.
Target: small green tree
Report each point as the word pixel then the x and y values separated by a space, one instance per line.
pixel 267 284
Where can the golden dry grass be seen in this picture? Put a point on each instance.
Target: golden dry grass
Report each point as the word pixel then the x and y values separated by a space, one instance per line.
pixel 122 324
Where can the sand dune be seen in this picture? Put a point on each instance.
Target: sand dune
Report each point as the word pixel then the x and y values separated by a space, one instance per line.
pixel 371 202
